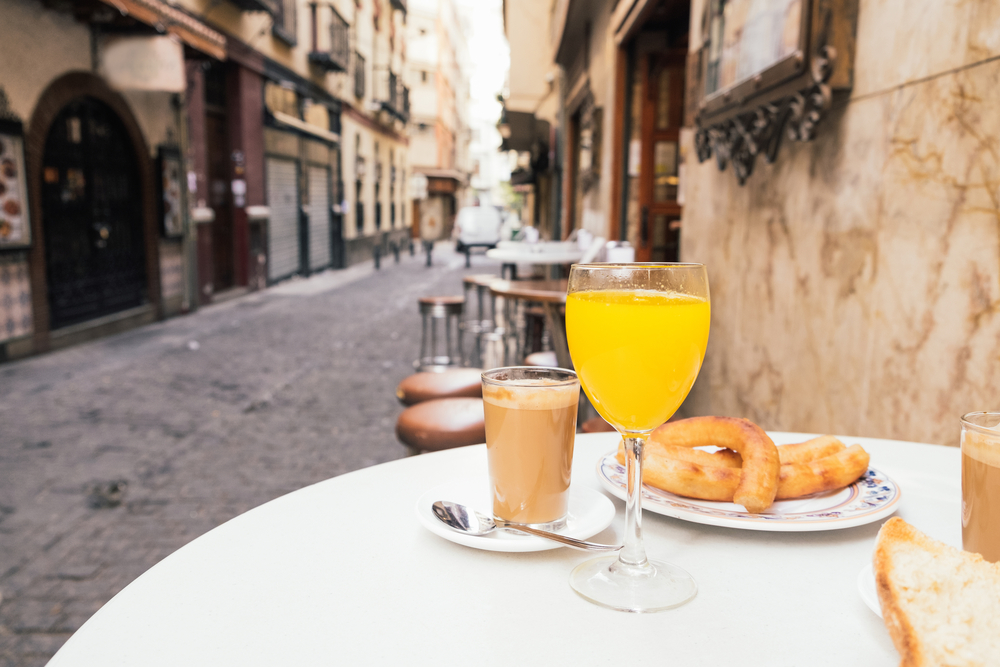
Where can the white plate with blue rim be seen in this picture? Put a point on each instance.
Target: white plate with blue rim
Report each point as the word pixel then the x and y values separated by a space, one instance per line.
pixel 872 497
pixel 590 512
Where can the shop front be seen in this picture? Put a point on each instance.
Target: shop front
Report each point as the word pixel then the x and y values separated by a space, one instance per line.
pixel 93 202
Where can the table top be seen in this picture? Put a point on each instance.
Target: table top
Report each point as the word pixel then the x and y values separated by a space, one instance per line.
pixel 527 257
pixel 341 572
pixel 543 291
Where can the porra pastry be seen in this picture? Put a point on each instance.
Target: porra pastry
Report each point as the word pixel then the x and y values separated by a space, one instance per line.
pixel 940 605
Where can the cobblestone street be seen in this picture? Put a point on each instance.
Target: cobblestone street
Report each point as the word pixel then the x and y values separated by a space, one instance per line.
pixel 203 417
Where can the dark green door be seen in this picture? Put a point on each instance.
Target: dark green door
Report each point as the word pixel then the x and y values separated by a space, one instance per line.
pixel 92 215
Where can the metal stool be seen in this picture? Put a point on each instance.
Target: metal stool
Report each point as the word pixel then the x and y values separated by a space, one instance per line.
pixel 448 311
pixel 479 320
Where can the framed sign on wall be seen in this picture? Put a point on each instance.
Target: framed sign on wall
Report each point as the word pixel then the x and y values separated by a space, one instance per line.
pixel 15 223
pixel 168 165
pixel 767 70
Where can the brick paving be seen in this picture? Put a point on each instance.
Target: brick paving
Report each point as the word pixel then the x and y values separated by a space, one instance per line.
pixel 201 418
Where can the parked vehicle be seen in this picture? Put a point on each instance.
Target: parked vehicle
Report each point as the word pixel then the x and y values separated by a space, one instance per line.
pixel 477 226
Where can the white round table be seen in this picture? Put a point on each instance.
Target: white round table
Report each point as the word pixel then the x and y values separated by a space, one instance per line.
pixel 512 257
pixel 342 573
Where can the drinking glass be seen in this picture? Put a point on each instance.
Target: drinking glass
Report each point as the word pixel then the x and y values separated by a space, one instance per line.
pixel 981 484
pixel 637 335
pixel 530 415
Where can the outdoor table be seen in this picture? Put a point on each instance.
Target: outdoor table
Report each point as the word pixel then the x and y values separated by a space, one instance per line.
pixel 551 294
pixel 510 258
pixel 342 573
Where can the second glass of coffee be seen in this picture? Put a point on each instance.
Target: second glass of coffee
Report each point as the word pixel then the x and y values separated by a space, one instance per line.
pixel 981 484
pixel 530 427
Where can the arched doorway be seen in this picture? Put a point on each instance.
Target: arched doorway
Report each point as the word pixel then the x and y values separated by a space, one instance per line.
pixel 92 215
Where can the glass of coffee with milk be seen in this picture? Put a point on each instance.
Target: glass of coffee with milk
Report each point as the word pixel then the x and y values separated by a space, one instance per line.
pixel 530 427
pixel 981 484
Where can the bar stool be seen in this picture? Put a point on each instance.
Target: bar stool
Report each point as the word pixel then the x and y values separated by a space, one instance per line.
pixel 480 284
pixel 446 310
pixel 479 320
pixel 455 383
pixel 596 425
pixel 546 359
pixel 442 423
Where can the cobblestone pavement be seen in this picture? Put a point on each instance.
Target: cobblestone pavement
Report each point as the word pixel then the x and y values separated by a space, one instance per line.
pixel 203 417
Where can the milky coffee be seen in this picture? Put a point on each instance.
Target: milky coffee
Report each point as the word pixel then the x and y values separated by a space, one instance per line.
pixel 981 493
pixel 530 426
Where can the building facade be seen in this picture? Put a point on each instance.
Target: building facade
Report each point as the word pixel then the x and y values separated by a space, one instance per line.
pixel 439 129
pixel 831 163
pixel 163 156
pixel 86 243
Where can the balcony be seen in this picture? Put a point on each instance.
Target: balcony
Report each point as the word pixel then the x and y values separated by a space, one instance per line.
pixel 268 6
pixel 359 75
pixel 398 4
pixel 338 57
pixel 390 93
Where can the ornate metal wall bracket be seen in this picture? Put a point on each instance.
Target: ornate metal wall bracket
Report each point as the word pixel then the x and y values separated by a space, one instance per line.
pixel 741 138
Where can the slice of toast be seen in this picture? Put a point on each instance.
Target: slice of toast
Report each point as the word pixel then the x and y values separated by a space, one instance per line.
pixel 940 605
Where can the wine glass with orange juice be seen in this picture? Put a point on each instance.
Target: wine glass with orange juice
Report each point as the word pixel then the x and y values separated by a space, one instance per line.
pixel 637 335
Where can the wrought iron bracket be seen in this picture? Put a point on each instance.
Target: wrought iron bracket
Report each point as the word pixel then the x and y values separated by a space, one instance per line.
pixel 741 138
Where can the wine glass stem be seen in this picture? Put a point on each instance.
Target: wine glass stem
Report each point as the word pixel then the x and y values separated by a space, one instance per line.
pixel 633 554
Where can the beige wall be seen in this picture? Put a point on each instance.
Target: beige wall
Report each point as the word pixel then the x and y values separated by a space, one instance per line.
pixel 27 24
pixel 349 130
pixel 855 282
pixel 27 70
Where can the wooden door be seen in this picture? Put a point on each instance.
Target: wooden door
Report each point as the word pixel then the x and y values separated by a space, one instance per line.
pixel 662 116
pixel 92 215
pixel 220 198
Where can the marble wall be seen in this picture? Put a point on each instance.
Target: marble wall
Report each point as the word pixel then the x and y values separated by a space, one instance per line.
pixel 856 281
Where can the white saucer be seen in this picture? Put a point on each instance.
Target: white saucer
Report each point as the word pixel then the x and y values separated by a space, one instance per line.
pixel 866 588
pixel 590 512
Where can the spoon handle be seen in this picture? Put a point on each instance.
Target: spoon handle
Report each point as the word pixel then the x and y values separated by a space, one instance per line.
pixel 568 541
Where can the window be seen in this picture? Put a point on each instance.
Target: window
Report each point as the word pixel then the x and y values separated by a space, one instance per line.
pixel 359 75
pixel 284 26
pixel 359 208
pixel 359 172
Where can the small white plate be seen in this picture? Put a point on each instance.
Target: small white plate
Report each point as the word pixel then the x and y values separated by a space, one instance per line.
pixel 866 588
pixel 869 499
pixel 590 512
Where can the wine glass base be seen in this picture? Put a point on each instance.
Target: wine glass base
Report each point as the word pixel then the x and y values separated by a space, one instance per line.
pixel 659 587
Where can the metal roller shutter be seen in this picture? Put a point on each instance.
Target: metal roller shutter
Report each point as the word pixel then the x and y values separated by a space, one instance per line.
pixel 319 218
pixel 283 227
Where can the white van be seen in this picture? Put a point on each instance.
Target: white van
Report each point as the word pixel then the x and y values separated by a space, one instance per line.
pixel 477 226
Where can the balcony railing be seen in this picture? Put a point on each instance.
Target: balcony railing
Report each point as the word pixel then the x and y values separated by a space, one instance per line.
pixel 391 94
pixel 268 6
pixel 359 75
pixel 337 58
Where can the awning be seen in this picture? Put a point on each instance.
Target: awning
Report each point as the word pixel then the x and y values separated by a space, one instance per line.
pixel 525 132
pixel 447 174
pixel 188 29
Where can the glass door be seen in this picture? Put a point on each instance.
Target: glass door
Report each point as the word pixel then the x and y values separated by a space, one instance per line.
pixel 662 114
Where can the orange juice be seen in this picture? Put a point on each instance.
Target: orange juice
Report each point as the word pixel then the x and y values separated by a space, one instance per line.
pixel 637 352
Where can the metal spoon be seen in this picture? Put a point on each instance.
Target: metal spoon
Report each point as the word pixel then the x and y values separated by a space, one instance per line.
pixel 466 520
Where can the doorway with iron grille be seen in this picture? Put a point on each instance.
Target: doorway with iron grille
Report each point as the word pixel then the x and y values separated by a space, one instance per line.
pixel 92 214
